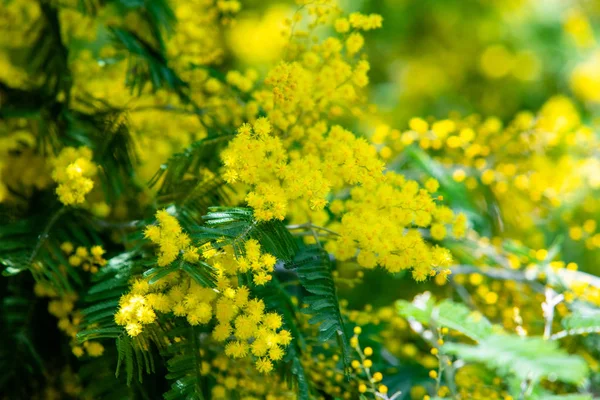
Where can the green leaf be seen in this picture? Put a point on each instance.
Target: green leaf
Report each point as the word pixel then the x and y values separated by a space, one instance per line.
pixel 134 357
pixel 201 272
pixel 107 133
pixel 125 352
pixel 420 309
pixel 185 183
pixel 156 13
pixel 150 64
pixel 99 333
pixel 314 272
pixel 236 225
pixel 157 273
pixel 184 366
pixel 460 318
pixel 448 314
pixel 526 358
pixel 200 154
pixel 581 321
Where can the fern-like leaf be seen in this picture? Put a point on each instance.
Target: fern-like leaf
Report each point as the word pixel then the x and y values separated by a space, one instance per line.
pixel 198 155
pixel 149 64
pixel 184 366
pixel 186 184
pixel 236 225
pixel 526 358
pixel 313 266
pixel 106 132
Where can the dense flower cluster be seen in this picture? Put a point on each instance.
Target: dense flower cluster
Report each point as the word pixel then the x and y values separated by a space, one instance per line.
pixel 73 171
pixel 509 160
pixel 387 204
pixel 171 239
pixel 242 322
pixel 89 260
pixel 260 159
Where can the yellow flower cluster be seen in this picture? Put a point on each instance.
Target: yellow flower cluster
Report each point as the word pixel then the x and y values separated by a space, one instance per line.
pixel 585 79
pixel 89 260
pixel 380 221
pixel 171 294
pixel 236 378
pixel 260 264
pixel 62 306
pixel 365 22
pixel 528 163
pixel 241 321
pixel 255 332
pixel 295 160
pixel 171 239
pixel 335 158
pixel 365 365
pixel 73 171
pixel 21 169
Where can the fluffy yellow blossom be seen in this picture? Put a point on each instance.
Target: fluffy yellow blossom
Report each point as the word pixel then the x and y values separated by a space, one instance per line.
pixel 171 240
pixel 242 322
pixel 365 22
pixel 73 171
pixel 90 261
pixel 380 225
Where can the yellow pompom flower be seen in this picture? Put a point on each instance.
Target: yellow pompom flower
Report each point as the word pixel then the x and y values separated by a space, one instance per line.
pixel 74 171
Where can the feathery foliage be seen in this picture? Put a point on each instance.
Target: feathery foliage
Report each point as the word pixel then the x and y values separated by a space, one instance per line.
pixel 529 359
pixel 314 270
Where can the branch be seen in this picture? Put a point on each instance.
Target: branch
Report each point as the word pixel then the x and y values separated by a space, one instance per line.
pixel 552 300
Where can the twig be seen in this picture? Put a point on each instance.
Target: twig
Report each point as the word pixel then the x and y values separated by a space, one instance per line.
pixel 309 226
pixel 573 332
pixel 552 300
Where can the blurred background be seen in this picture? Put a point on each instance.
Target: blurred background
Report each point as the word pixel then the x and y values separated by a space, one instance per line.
pixel 432 57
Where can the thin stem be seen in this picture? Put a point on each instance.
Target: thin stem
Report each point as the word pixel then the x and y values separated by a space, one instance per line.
pixel 365 369
pixel 526 386
pixel 463 294
pixel 310 225
pixel 44 235
pixel 573 332
pixel 548 306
